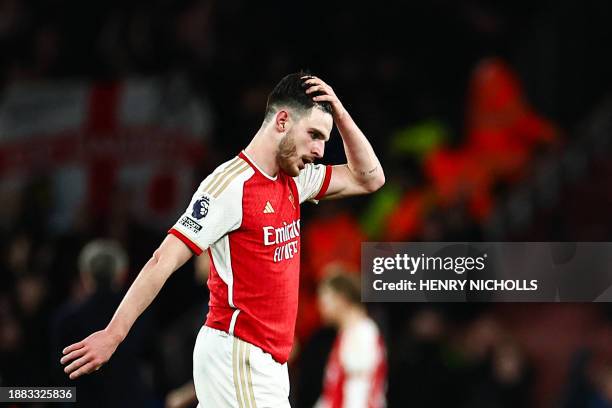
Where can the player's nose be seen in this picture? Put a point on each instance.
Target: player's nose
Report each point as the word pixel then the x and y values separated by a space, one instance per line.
pixel 318 149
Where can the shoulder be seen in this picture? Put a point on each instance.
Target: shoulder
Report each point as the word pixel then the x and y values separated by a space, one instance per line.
pixel 363 334
pixel 226 178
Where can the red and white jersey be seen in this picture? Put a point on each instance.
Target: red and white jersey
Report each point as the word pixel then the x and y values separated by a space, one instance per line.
pixel 356 371
pixel 250 224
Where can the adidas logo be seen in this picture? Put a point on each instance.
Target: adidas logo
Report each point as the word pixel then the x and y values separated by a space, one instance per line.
pixel 268 208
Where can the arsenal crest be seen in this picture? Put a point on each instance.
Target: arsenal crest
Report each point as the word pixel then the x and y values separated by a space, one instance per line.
pixel 292 199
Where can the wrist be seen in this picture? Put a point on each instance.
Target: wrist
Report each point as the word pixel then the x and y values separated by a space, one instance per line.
pixel 116 334
pixel 340 114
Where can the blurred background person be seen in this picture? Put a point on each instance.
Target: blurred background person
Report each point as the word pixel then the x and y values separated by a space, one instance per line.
pixel 103 268
pixel 356 371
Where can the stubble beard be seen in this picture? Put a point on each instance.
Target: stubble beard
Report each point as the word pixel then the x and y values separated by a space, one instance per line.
pixel 287 154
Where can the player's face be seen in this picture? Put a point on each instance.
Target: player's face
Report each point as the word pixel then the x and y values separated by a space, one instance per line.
pixel 329 305
pixel 304 141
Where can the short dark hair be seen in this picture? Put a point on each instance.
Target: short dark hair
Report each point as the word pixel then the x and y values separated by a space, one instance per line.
pixel 344 284
pixel 103 260
pixel 291 91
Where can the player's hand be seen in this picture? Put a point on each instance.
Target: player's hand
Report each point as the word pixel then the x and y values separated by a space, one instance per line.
pixel 326 94
pixel 89 354
pixel 182 397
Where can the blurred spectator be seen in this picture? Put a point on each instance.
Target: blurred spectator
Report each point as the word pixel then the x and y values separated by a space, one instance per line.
pixel 418 370
pixel 590 376
pixel 473 361
pixel 12 350
pixel 120 383
pixel 25 311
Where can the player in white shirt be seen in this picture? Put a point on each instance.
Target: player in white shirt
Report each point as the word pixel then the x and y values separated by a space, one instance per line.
pixel 356 371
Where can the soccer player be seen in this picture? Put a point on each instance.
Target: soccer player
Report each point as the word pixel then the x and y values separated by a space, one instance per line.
pixel 356 371
pixel 246 215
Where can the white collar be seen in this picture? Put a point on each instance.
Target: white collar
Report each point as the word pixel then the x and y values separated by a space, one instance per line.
pixel 259 168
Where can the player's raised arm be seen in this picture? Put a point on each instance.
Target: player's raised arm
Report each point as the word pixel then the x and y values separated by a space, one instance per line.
pixel 363 173
pixel 89 354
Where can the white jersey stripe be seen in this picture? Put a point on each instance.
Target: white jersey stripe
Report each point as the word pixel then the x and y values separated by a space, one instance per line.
pixel 233 321
pixel 223 264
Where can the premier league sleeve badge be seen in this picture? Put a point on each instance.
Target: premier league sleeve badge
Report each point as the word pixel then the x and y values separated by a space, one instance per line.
pixel 200 207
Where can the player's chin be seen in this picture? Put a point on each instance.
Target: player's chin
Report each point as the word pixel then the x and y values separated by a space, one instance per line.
pixel 293 170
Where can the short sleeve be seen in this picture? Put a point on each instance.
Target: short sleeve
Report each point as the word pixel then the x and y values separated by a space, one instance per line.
pixel 214 210
pixel 313 181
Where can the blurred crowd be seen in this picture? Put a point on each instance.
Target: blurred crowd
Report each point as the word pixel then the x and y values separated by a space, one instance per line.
pixel 491 121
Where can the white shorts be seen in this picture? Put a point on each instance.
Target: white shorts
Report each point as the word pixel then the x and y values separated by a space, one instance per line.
pixel 229 372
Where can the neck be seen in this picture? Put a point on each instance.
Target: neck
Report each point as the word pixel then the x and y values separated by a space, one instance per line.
pixel 352 316
pixel 262 150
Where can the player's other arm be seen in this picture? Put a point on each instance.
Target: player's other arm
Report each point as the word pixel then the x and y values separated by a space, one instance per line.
pixel 363 173
pixel 89 354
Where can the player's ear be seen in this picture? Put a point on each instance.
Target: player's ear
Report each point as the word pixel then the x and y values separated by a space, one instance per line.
pixel 281 121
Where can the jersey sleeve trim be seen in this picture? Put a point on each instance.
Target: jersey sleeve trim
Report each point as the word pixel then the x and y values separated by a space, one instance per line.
pixel 193 247
pixel 325 184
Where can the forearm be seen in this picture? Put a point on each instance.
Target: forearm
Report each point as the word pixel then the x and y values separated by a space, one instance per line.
pixel 141 293
pixel 362 161
pixel 363 173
